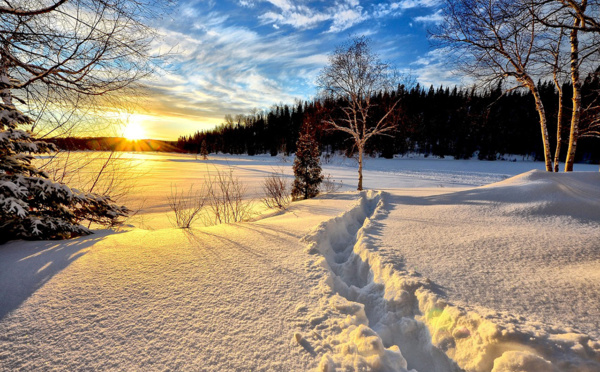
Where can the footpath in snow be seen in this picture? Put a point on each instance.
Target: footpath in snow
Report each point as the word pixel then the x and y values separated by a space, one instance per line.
pixel 224 298
pixel 421 276
pixel 515 287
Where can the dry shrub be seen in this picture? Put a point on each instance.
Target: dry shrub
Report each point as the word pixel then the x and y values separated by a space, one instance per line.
pixel 329 185
pixel 103 173
pixel 94 172
pixel 186 205
pixel 276 190
pixel 227 201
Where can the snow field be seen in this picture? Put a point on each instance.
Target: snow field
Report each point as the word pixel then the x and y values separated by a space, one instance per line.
pixel 222 298
pixel 376 315
pixel 430 275
pixel 362 309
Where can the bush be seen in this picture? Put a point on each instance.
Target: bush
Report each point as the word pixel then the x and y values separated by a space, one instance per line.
pixel 221 199
pixel 186 205
pixel 276 191
pixel 329 185
pixel 227 201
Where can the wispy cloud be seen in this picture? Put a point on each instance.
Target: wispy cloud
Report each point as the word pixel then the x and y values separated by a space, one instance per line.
pixel 431 18
pixel 222 68
pixel 233 56
pixel 435 68
pixel 341 15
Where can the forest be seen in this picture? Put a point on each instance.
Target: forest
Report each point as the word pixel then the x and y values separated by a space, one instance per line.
pixel 443 121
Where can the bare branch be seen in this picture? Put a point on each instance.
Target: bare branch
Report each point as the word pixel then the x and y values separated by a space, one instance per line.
pixel 31 12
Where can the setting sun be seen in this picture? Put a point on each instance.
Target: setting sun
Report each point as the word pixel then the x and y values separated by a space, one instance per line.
pixel 134 131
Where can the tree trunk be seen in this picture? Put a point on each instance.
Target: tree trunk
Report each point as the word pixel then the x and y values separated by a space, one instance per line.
pixel 558 130
pixel 360 166
pixel 543 123
pixel 574 134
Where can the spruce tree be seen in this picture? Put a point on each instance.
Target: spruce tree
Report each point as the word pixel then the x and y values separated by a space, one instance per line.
pixel 204 150
pixel 31 205
pixel 307 166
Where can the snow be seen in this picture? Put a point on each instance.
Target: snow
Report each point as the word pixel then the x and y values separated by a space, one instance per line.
pixel 445 265
pixel 214 299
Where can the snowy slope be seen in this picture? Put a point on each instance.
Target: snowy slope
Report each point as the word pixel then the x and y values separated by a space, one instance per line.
pixel 504 277
pixel 432 274
pixel 529 245
pixel 223 298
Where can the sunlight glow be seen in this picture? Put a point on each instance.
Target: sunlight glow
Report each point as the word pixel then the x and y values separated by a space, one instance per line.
pixel 134 130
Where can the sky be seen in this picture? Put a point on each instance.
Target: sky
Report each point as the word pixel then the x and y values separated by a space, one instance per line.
pixel 233 56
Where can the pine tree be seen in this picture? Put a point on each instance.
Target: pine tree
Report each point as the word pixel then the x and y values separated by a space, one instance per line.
pixel 31 205
pixel 204 150
pixel 307 167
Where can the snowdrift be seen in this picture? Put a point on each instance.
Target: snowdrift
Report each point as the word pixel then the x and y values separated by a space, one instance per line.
pixel 538 193
pixel 378 315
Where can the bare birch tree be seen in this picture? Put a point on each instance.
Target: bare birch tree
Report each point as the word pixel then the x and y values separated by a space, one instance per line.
pixel 558 79
pixel 497 40
pixel 580 19
pixel 354 75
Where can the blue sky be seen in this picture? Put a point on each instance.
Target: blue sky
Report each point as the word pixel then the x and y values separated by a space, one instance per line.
pixel 231 56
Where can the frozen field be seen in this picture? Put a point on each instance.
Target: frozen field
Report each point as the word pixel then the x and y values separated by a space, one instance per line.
pixel 442 265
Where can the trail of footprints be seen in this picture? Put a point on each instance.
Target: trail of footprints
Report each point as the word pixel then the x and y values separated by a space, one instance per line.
pixel 345 244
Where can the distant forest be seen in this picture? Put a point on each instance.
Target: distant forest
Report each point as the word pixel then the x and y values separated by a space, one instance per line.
pixel 112 144
pixel 443 121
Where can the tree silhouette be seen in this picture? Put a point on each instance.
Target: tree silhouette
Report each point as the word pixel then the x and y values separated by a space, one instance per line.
pixel 353 77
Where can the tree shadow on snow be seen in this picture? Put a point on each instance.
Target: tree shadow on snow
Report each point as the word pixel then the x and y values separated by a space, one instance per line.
pixel 25 266
pixel 195 237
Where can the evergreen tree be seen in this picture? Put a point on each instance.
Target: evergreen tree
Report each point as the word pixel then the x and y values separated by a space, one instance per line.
pixel 31 205
pixel 204 150
pixel 307 167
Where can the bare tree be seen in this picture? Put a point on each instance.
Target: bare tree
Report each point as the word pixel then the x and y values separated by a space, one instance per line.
pixel 60 56
pixel 498 40
pixel 65 59
pixel 354 76
pixel 580 19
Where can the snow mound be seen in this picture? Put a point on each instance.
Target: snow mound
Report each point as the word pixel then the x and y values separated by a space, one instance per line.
pixel 377 316
pixel 539 193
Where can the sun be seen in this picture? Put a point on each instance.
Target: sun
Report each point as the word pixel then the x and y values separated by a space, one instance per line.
pixel 134 131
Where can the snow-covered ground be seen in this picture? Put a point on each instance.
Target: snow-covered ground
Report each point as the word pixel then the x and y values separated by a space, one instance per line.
pixel 434 273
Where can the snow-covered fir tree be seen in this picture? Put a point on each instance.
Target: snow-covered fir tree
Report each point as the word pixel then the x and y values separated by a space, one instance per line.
pixel 31 205
pixel 307 166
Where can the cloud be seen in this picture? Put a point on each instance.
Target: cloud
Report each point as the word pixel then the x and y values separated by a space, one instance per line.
pixel 396 8
pixel 341 15
pixel 346 17
pixel 223 68
pixel 431 18
pixel 409 4
pixel 434 69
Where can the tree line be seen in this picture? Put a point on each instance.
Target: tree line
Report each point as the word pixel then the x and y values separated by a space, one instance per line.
pixel 442 121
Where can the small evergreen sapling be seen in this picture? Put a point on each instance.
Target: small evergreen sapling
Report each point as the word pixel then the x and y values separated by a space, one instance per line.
pixel 204 150
pixel 31 205
pixel 307 167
